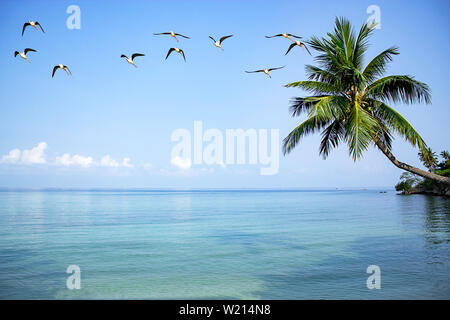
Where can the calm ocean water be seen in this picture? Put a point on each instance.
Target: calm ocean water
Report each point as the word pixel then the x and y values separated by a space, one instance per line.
pixel 224 244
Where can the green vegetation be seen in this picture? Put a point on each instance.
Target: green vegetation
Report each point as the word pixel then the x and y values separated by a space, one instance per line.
pixel 410 183
pixel 407 182
pixel 349 101
pixel 428 158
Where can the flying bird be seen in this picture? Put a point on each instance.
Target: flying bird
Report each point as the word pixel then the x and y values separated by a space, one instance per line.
pixel 297 43
pixel 171 33
pixel 134 55
pixel 218 44
pixel 24 53
pixel 34 24
pixel 177 50
pixel 266 71
pixel 285 35
pixel 60 66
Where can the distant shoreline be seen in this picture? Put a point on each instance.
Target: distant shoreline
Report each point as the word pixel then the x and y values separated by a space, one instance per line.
pixel 4 189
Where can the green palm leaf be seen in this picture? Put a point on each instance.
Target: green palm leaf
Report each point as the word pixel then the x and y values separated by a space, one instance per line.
pixel 318 74
pixel 360 128
pixel 400 125
pixel 399 89
pixel 310 125
pixel 377 66
pixel 329 108
pixel 315 87
pixel 300 105
pixel 331 137
pixel 362 44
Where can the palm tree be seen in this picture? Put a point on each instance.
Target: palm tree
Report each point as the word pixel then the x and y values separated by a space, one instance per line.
pixel 428 158
pixel 349 102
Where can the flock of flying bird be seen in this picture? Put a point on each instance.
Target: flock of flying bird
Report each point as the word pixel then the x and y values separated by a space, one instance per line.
pixel 218 44
pixel 23 54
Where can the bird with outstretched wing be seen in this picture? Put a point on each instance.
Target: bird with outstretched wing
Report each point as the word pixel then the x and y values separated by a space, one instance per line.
pixel 285 35
pixel 63 67
pixel 176 50
pixel 266 71
pixel 297 43
pixel 34 24
pixel 172 34
pixel 218 44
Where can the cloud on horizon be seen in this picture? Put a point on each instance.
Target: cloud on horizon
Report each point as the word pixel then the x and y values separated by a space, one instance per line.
pixel 127 163
pixel 75 160
pixel 37 155
pixel 34 155
pixel 107 161
pixel 183 164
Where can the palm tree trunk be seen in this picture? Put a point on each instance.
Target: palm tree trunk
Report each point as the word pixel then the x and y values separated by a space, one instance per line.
pixel 407 167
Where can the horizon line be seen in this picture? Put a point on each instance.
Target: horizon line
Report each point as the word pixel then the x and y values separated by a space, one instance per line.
pixel 178 189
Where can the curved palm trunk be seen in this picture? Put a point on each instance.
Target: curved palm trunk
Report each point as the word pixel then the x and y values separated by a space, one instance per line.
pixel 407 167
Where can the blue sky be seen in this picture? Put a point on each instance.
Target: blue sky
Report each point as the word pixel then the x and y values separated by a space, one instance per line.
pixel 109 108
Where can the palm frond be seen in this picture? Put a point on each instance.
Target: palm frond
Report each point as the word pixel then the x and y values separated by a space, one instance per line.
pixel 318 44
pixel 361 44
pixel 300 105
pixel 325 107
pixel 398 124
pixel 346 37
pixel 385 135
pixel 360 129
pixel 328 57
pixel 445 155
pixel 399 89
pixel 428 158
pixel 318 74
pixel 329 107
pixel 331 137
pixel 308 126
pixel 377 66
pixel 316 87
pixel 386 139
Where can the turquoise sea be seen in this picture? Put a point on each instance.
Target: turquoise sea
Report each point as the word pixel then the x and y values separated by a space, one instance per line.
pixel 231 244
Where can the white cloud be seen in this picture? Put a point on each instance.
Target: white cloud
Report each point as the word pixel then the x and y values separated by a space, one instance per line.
pixel 127 163
pixel 181 163
pixel 12 157
pixel 35 155
pixel 75 160
pixel 107 161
